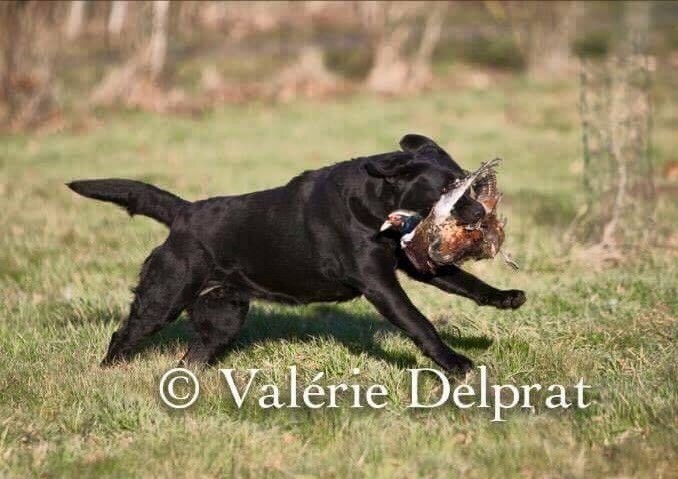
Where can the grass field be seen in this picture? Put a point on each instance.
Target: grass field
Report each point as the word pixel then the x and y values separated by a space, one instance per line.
pixel 67 265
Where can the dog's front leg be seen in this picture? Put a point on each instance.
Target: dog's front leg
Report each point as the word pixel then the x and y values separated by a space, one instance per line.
pixel 455 280
pixel 383 290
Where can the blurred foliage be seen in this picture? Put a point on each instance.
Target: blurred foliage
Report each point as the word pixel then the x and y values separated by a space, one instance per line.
pixel 353 63
pixel 672 38
pixel 498 52
pixel 482 50
pixel 247 49
pixel 592 45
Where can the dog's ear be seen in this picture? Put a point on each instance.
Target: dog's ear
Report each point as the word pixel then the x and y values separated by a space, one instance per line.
pixel 424 147
pixel 413 142
pixel 390 165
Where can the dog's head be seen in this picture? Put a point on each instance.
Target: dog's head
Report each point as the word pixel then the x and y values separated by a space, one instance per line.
pixel 419 172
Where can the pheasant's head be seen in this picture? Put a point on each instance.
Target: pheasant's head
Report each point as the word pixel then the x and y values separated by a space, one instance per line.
pixel 402 221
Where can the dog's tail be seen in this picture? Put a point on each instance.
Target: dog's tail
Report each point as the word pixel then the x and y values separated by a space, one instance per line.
pixel 136 197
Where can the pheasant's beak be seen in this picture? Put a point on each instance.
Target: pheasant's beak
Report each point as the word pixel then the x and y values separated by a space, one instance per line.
pixel 387 224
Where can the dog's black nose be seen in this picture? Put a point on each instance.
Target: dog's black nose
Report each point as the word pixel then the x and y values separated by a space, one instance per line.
pixel 468 211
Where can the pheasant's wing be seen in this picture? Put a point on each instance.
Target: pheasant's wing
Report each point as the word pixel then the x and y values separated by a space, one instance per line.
pixel 486 192
pixel 442 208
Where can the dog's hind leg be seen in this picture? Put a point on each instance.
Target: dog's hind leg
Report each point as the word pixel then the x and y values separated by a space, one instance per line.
pixel 217 319
pixel 170 280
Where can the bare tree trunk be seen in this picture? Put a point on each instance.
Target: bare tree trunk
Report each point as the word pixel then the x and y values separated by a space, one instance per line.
pixel 616 131
pixel 188 15
pixel 390 71
pixel 76 16
pixel 213 14
pixel 116 19
pixel 422 70
pixel 630 130
pixel 11 43
pixel 28 42
pixel 135 82
pixel 542 32
pixel 158 44
pixel 550 48
pixel 307 77
pixel 392 25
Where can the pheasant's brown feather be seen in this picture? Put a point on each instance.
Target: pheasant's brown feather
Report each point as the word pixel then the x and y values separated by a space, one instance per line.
pixel 417 249
pixel 449 242
pixel 486 191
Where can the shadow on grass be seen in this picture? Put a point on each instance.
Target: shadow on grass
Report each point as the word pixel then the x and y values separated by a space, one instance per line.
pixel 358 332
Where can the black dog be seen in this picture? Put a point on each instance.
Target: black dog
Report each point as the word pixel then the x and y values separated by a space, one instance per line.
pixel 314 239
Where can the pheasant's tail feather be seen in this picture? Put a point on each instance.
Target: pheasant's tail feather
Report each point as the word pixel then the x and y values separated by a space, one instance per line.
pixel 486 191
pixel 509 261
pixel 488 165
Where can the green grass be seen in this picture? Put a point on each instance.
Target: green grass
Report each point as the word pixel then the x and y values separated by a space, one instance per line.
pixel 67 264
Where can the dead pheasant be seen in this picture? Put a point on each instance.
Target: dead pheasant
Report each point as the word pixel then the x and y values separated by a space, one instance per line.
pixel 443 238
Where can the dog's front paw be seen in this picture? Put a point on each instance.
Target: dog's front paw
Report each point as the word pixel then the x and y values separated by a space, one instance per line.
pixel 111 360
pixel 457 364
pixel 509 299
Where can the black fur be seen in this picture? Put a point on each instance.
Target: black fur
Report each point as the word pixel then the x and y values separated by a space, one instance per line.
pixel 314 239
pixel 136 197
